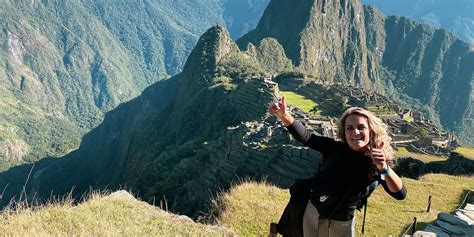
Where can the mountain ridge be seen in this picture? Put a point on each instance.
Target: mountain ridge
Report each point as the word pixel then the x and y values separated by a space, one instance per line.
pixel 73 61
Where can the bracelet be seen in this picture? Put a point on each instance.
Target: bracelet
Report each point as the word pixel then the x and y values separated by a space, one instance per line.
pixel 386 172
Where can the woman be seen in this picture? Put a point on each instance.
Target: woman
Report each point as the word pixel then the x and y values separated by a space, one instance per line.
pixel 362 158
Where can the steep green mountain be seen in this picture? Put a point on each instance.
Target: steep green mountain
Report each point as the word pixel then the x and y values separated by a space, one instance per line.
pixel 431 66
pixel 326 38
pixel 342 41
pixel 184 138
pixel 456 16
pixel 63 64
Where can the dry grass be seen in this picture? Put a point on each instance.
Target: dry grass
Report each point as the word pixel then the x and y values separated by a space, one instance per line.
pixel 387 216
pixel 101 216
pixel 403 152
pixel 250 207
pixel 465 151
pixel 247 209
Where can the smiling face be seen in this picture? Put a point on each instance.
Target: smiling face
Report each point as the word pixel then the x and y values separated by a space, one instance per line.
pixel 357 132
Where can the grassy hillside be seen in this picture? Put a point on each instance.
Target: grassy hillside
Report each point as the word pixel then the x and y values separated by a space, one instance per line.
pixel 249 208
pixel 403 152
pixel 116 214
pixel 246 210
pixel 465 151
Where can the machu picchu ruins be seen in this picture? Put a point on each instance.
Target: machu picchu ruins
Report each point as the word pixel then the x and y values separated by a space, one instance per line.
pixel 407 128
pixel 262 148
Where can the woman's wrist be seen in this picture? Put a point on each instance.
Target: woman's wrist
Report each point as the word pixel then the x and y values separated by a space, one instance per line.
pixel 287 119
pixel 387 171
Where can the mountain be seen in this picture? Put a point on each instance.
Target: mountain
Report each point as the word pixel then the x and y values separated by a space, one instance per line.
pixel 184 138
pixel 63 64
pixel 342 41
pixel 326 38
pixel 431 66
pixel 456 16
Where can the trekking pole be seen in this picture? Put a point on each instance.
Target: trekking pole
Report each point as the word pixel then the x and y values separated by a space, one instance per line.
pixel 363 222
pixel 429 204
pixel 273 230
pixel 414 226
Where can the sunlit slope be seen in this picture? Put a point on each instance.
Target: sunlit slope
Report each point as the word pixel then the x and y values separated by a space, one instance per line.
pixel 116 214
pixel 249 208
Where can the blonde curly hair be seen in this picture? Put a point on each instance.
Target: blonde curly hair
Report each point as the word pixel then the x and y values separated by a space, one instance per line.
pixel 378 131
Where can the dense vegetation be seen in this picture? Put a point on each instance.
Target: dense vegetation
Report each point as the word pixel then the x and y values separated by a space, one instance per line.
pixel 63 64
pixel 71 62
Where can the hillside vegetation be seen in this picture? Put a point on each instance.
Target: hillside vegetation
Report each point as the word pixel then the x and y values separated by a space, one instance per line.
pixel 64 64
pixel 466 151
pixel 403 152
pixel 101 215
pixel 246 209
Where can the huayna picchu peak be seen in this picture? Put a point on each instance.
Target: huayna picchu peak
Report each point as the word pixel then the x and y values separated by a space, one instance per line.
pixel 344 41
pixel 326 38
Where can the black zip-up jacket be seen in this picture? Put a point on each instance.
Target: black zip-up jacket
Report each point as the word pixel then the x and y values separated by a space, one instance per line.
pixel 344 172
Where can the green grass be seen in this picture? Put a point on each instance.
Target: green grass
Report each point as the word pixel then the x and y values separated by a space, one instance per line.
pixel 465 151
pixel 403 152
pixel 299 101
pixel 249 208
pixel 409 119
pixel 102 216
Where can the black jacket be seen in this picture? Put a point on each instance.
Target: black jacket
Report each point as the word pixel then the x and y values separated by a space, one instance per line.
pixel 343 173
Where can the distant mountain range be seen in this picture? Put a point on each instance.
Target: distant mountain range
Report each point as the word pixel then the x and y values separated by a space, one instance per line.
pixel 242 16
pixel 63 64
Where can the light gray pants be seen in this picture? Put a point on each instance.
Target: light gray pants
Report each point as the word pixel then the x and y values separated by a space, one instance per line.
pixel 313 226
